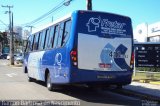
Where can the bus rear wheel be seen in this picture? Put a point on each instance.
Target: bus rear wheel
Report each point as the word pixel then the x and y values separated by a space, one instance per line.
pixel 119 87
pixel 48 83
pixel 30 79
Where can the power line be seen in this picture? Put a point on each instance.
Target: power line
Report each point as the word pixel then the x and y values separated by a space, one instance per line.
pixel 3 23
pixel 60 9
pixel 61 4
pixel 46 15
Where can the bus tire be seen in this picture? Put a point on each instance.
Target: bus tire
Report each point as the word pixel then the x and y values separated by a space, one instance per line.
pixel 48 83
pixel 25 70
pixel 30 79
pixel 119 87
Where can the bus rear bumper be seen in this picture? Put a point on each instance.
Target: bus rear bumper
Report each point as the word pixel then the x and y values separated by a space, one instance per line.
pixel 101 77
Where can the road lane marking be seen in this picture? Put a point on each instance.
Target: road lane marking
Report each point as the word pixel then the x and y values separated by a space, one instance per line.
pixel 11 74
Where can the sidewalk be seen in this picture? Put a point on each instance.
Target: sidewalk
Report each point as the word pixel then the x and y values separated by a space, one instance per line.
pixel 145 89
pixel 150 81
pixel 7 63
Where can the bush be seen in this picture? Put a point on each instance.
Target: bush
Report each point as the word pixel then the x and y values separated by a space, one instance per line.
pixel 152 69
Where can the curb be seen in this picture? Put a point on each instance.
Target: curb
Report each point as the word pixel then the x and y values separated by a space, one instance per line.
pixel 143 96
pixel 16 65
pixel 155 82
pixel 148 81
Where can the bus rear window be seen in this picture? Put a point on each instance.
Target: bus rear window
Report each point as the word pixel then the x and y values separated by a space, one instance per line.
pixel 104 25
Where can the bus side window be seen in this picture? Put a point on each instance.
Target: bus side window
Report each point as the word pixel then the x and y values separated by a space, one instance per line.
pixel 35 45
pixel 51 37
pixel 42 40
pixel 61 30
pixel 26 47
pixel 30 43
pixel 66 32
pixel 56 36
pixel 47 38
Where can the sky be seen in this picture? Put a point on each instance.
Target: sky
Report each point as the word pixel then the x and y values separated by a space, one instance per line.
pixel 25 11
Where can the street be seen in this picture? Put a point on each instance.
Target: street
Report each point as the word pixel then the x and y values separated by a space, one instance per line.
pixel 14 86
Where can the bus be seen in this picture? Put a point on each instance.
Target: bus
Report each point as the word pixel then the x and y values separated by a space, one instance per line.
pixel 85 47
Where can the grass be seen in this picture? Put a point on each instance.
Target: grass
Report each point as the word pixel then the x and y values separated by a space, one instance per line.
pixel 146 76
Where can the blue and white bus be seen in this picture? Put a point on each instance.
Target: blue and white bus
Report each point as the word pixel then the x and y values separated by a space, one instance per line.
pixel 85 47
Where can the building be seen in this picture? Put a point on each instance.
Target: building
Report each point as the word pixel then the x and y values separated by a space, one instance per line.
pixel 17 33
pixel 147 32
pixel 25 35
pixel 154 32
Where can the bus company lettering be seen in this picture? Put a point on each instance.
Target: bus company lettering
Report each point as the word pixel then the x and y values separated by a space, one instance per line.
pixel 58 59
pixel 93 24
pixel 112 27
pixel 106 26
pixel 58 64
pixel 105 23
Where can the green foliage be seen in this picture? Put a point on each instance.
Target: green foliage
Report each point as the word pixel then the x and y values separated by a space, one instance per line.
pixel 148 69
pixel 146 75
pixel 3 37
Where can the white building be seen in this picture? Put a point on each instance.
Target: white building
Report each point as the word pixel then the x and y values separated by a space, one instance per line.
pixel 146 31
pixel 26 34
pixel 18 32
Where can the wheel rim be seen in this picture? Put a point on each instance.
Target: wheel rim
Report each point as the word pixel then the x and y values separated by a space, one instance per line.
pixel 29 78
pixel 48 82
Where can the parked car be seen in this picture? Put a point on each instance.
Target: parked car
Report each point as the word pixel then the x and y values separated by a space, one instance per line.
pixel 8 57
pixel 18 59
pixel 3 56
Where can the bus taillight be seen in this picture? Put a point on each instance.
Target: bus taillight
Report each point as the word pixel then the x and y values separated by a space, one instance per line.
pixel 132 60
pixel 74 57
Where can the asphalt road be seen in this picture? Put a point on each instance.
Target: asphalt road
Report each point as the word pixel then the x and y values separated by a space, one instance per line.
pixel 14 86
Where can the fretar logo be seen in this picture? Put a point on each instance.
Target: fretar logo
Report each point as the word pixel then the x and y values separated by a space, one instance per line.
pixel 94 23
pixel 110 24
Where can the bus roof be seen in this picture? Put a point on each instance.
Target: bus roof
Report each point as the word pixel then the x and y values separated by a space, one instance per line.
pixel 69 15
pixel 52 23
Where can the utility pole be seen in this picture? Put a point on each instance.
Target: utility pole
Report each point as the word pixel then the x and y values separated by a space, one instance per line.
pixel 31 27
pixel 12 43
pixel 89 4
pixel 11 33
pixel 52 18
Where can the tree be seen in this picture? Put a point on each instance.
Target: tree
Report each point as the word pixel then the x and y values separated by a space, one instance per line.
pixel 3 37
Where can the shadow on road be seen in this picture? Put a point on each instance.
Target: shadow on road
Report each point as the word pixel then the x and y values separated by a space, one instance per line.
pixel 99 96
pixel 96 96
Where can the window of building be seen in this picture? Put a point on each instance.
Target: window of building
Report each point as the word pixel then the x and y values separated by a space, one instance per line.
pixel 154 39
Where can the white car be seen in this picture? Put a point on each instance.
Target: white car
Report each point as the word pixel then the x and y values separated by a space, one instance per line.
pixel 18 58
pixel 8 57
